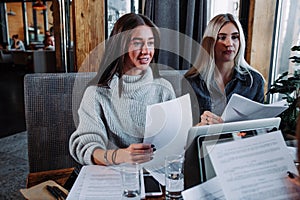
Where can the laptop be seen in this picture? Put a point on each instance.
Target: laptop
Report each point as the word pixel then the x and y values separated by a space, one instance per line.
pixel 197 166
pixel 266 123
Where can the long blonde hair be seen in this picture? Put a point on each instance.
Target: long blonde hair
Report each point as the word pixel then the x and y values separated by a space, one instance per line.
pixel 205 62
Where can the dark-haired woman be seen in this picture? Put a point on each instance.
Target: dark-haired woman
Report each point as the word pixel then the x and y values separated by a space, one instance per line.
pixel 113 111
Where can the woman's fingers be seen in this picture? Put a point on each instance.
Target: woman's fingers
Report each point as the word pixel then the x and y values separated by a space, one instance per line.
pixel 208 118
pixel 141 148
pixel 138 153
pixel 142 151
pixel 137 158
pixel 140 158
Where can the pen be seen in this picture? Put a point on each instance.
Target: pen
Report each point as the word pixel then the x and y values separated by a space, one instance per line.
pixel 60 192
pixel 50 189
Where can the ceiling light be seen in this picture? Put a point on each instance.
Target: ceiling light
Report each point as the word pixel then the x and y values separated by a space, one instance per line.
pixel 39 6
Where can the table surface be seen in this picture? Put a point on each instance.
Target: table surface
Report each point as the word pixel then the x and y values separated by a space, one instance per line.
pixel 60 176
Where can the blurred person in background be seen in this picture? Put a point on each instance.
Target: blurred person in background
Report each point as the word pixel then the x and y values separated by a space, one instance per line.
pixel 17 44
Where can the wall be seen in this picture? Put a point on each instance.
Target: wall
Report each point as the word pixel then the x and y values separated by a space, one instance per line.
pixel 89 32
pixel 262 26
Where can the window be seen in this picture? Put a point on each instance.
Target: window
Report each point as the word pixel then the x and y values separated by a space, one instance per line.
pixel 286 35
pixel 117 8
pixel 216 7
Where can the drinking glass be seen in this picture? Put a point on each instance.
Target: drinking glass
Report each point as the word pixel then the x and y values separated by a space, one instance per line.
pixel 131 181
pixel 174 176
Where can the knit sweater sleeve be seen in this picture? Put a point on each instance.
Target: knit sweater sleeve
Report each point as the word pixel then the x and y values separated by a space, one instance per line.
pixel 90 133
pixel 168 92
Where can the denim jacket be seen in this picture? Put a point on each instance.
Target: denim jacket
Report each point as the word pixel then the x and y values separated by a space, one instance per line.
pixel 239 84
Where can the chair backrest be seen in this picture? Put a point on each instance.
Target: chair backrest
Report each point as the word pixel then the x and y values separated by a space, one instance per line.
pixel 5 57
pixel 51 104
pixel 49 112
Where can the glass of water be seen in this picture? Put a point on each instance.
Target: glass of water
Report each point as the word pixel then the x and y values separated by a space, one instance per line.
pixel 131 181
pixel 174 176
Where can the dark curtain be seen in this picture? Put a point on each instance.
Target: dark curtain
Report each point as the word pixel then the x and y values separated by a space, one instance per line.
pixel 182 24
pixel 3 26
pixel 244 16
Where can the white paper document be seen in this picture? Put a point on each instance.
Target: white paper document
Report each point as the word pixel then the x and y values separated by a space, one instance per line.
pixel 254 168
pixel 240 108
pixel 96 182
pixel 209 190
pixel 159 175
pixel 167 126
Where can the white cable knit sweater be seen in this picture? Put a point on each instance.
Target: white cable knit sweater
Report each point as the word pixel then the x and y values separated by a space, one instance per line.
pixel 115 117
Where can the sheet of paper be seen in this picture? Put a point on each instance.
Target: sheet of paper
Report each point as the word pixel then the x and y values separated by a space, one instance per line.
pixel 209 190
pixel 167 126
pixel 159 175
pixel 104 184
pixel 77 187
pixel 254 168
pixel 293 153
pixel 96 182
pixel 240 108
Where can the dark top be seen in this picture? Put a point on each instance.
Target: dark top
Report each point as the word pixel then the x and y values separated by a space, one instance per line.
pixel 240 84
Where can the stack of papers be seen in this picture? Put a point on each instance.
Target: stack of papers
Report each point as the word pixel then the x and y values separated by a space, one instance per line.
pixel 240 108
pixel 252 168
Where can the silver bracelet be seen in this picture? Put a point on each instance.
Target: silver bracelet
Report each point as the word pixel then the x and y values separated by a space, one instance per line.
pixel 105 158
pixel 113 156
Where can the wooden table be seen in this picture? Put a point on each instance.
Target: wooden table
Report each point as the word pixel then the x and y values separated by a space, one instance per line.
pixel 60 176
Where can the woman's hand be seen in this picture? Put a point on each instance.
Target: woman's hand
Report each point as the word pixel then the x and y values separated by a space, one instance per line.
pixel 208 118
pixel 136 153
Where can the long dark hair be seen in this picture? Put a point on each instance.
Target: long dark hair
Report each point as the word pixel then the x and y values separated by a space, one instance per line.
pixel 116 47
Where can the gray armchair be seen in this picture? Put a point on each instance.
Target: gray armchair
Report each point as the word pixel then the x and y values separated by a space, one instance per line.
pixel 51 99
pixel 51 104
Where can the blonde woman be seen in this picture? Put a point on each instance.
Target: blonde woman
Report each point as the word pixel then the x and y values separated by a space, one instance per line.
pixel 221 70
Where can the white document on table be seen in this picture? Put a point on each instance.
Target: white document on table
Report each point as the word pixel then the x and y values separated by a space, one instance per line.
pixel 167 126
pixel 209 190
pixel 96 182
pixel 254 168
pixel 240 108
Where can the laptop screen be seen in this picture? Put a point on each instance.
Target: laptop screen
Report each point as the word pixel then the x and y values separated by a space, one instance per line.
pixel 267 123
pixel 198 167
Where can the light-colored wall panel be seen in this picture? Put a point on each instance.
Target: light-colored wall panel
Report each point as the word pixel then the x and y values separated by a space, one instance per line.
pixel 262 35
pixel 89 31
